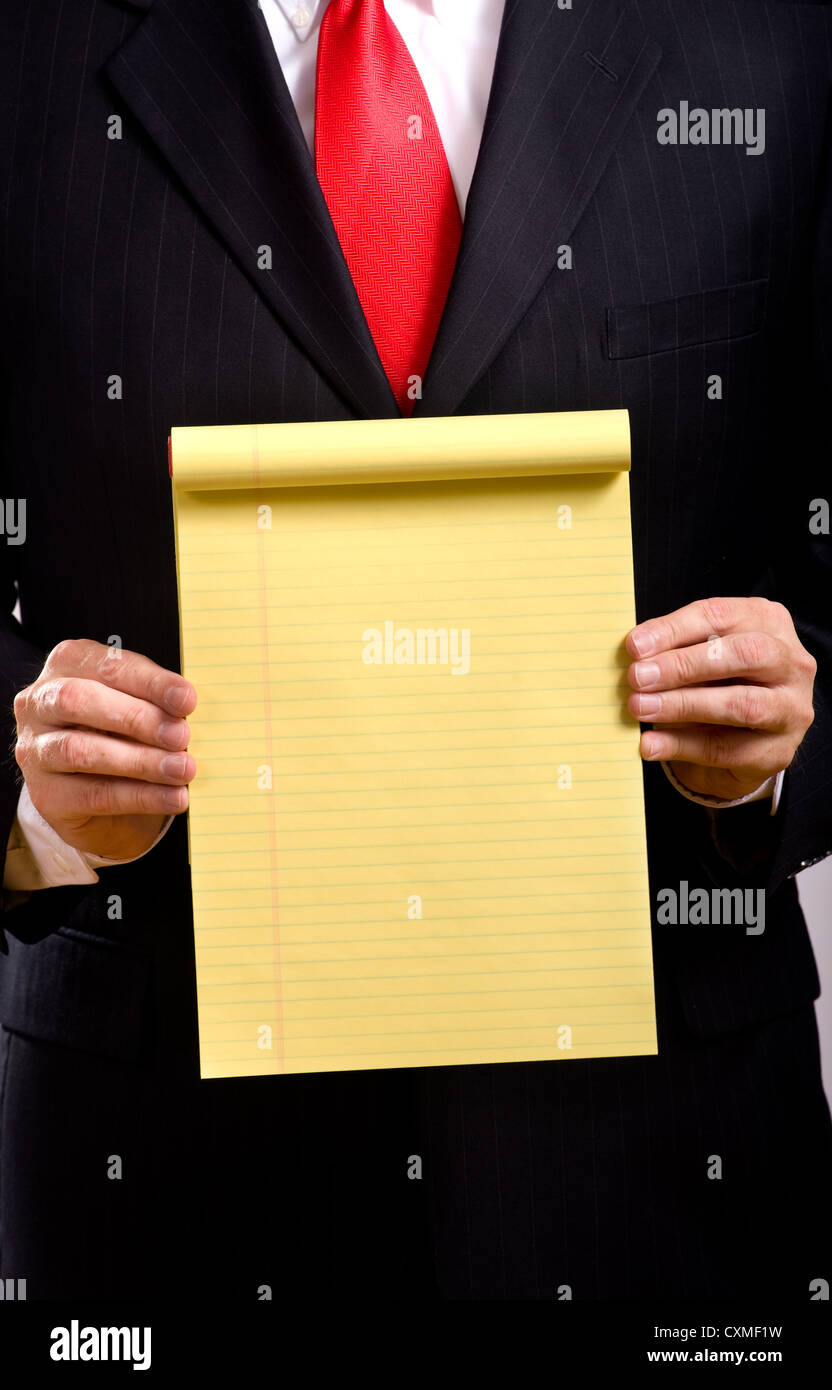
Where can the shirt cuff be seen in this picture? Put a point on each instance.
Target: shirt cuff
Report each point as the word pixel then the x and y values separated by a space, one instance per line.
pixel 772 787
pixel 37 857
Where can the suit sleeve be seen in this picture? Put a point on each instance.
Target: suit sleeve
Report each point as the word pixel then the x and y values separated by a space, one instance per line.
pixel 800 571
pixel 26 916
pixel 20 662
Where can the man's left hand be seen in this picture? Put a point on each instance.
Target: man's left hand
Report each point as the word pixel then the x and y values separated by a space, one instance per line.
pixel 730 685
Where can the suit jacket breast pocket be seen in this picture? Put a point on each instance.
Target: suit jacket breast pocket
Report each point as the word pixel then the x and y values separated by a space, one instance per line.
pixel 665 325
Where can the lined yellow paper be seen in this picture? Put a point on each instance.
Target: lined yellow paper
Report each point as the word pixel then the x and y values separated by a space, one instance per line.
pixel 410 849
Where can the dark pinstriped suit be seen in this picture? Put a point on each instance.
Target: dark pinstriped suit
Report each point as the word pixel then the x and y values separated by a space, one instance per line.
pixel 138 257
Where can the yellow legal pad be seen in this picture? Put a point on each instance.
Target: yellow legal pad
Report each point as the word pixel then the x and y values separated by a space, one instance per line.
pixel 417 825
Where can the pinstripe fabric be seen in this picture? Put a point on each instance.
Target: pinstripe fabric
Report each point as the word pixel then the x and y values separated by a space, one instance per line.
pixel 143 259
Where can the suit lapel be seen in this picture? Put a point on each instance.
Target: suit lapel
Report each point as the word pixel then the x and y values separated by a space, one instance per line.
pixel 202 78
pixel 565 83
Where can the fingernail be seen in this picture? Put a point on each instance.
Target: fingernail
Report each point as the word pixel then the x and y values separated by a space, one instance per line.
pixel 651 746
pixel 649 704
pixel 171 732
pixel 646 673
pixel 177 697
pixel 175 766
pixel 175 798
pixel 642 642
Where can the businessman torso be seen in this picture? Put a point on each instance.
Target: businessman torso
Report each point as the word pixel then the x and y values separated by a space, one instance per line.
pixel 170 260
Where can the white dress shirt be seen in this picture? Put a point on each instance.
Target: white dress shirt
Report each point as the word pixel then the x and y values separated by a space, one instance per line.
pixel 453 44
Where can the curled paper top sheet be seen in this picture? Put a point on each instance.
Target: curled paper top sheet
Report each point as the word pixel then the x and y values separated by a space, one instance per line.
pixel 446 448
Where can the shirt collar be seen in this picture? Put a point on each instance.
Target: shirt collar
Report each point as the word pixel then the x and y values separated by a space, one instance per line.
pixel 301 14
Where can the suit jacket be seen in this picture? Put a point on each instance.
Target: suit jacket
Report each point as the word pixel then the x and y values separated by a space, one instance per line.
pixel 150 149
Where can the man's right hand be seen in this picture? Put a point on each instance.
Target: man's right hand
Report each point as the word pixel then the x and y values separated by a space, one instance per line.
pixel 101 740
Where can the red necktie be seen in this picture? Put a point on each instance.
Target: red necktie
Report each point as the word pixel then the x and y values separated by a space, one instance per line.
pixel 385 177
